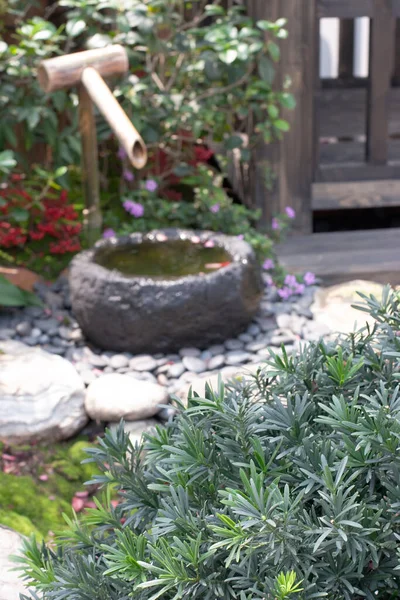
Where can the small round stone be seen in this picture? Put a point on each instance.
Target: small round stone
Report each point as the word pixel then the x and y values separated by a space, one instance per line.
pixel 176 370
pixel 234 344
pixel 118 361
pixel 23 329
pixel 190 352
pixel 245 338
pixel 216 362
pixel 196 365
pixel 217 349
pixel 98 360
pixel 236 357
pixel 36 332
pixel 44 339
pixel 256 346
pixel 253 329
pixel 143 362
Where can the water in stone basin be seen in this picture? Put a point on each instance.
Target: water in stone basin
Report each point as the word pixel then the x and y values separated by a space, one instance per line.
pixel 167 260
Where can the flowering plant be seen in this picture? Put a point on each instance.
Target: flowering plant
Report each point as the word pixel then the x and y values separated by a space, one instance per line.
pixel 35 223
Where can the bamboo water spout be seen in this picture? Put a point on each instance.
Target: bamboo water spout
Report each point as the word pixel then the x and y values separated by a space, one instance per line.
pixel 85 70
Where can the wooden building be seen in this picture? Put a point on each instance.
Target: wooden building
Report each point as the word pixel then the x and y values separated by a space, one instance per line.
pixel 343 148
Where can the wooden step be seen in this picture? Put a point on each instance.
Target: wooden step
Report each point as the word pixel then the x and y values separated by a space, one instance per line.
pixel 343 256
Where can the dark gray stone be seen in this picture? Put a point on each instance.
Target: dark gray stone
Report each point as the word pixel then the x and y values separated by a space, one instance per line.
pixel 23 329
pixel 143 314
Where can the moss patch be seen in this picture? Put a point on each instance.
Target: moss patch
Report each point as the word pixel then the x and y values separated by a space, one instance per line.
pixel 34 497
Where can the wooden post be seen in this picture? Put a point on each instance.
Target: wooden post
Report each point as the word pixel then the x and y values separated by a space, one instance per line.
pixel 90 168
pixel 293 158
pixel 382 46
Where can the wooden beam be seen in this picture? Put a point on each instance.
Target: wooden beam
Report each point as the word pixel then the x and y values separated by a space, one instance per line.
pixel 345 9
pixel 381 70
pixel 358 172
pixel 359 194
pixel 342 256
pixel 343 153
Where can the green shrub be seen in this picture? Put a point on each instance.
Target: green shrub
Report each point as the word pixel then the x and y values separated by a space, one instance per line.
pixel 295 472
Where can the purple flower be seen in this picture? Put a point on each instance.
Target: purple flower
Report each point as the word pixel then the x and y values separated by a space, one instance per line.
pixel 309 278
pixel 215 208
pixel 275 224
pixel 133 208
pixel 108 233
pixel 291 213
pixel 285 293
pixel 121 153
pixel 299 288
pixel 268 264
pixel 291 280
pixel 151 185
pixel 128 175
pixel 240 236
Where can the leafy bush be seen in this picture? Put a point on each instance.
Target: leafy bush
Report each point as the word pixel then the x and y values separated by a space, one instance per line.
pixel 198 72
pixel 292 478
pixel 12 295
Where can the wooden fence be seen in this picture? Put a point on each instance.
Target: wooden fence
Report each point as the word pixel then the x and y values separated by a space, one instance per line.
pixel 343 148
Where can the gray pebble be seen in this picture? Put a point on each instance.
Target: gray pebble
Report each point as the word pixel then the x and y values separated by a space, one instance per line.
pixel 44 339
pixel 31 341
pixel 194 364
pixel 163 369
pixel 36 333
pixel 236 357
pixel 33 311
pixel 216 362
pixel 98 360
pixel 6 334
pixel 253 329
pixel 108 369
pixel 245 338
pixel 267 324
pixel 234 345
pixel 256 346
pixel 54 350
pixel 47 325
pixel 190 352
pixel 118 361
pixel 162 379
pixel 143 362
pixel 206 355
pixel 176 370
pixel 60 343
pixel 217 349
pixel 64 332
pixel 23 329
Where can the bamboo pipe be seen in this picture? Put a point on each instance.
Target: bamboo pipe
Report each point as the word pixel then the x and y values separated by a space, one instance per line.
pixel 111 110
pixel 66 71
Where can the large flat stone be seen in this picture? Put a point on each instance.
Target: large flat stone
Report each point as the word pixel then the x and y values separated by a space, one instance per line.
pixel 113 397
pixel 11 585
pixel 41 395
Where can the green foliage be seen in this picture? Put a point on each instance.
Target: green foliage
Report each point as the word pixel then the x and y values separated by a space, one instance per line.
pixel 285 486
pixel 11 295
pixel 197 71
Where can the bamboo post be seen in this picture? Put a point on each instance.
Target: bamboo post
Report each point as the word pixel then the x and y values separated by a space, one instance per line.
pixel 85 70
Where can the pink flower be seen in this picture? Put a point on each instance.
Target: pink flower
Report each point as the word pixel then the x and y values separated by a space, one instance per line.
pixel 299 288
pixel 309 278
pixel 268 264
pixel 108 233
pixel 285 293
pixel 151 185
pixel 128 175
pixel 275 224
pixel 268 280
pixel 240 236
pixel 291 213
pixel 133 208
pixel 209 244
pixel 43 477
pixel 215 208
pixel 290 280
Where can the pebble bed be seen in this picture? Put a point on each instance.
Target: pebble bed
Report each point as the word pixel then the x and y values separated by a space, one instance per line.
pixel 54 329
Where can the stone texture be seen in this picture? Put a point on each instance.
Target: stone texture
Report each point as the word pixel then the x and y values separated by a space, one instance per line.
pixel 191 363
pixel 143 363
pixel 41 395
pixel 140 314
pixel 332 305
pixel 136 429
pixel 113 396
pixel 11 585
